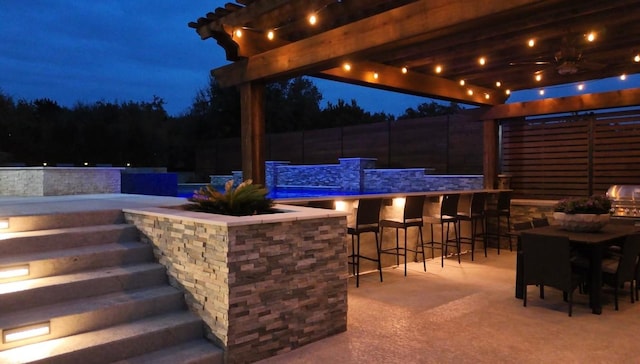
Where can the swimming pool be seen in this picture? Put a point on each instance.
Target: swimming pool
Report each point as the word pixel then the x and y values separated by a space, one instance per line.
pixel 186 191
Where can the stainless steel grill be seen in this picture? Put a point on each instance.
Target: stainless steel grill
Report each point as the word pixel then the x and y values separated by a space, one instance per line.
pixel 625 200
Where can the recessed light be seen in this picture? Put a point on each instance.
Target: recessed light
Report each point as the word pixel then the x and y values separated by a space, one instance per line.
pixel 26 332
pixel 14 271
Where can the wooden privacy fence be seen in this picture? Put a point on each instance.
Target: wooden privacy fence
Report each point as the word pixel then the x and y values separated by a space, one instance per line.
pixel 449 144
pixel 571 155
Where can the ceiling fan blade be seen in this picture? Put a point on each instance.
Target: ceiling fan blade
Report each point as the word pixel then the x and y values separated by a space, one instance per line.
pixel 529 63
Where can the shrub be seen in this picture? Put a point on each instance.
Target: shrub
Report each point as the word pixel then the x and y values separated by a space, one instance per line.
pixel 246 199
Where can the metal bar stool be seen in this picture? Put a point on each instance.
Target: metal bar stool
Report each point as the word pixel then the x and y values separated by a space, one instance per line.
pixel 448 215
pixel 411 217
pixel 474 215
pixel 367 220
pixel 502 209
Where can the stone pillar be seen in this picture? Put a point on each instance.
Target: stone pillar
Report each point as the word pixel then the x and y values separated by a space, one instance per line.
pixel 271 173
pixel 352 171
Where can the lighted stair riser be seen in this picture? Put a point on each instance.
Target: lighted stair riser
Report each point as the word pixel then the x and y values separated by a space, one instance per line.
pixel 63 220
pixel 58 289
pixel 77 259
pixel 114 343
pixel 75 317
pixel 49 240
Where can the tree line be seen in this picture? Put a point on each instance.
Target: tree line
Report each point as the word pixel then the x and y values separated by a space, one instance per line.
pixel 141 133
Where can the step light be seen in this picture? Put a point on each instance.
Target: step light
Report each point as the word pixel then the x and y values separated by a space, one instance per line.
pixel 4 224
pixel 14 271
pixel 26 332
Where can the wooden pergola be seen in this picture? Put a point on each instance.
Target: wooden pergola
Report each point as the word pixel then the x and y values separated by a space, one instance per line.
pixel 469 51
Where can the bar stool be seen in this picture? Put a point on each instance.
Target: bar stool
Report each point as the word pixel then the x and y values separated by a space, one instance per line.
pixel 448 215
pixel 367 220
pixel 502 209
pixel 411 217
pixel 475 215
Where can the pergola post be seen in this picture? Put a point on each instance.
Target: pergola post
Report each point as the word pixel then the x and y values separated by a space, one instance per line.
pixel 490 155
pixel 252 106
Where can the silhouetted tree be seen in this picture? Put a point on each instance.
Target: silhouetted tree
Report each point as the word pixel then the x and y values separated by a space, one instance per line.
pixel 430 109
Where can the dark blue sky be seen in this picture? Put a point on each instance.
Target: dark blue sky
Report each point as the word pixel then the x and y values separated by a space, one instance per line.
pixel 130 50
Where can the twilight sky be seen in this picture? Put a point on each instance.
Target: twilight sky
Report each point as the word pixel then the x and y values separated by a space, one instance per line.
pixel 130 50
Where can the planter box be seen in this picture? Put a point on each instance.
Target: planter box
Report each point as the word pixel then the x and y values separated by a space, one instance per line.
pixel 263 284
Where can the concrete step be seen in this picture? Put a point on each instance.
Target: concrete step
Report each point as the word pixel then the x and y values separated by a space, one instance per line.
pixel 30 293
pixel 63 220
pixel 46 240
pixel 57 262
pixel 77 316
pixel 192 352
pixel 112 344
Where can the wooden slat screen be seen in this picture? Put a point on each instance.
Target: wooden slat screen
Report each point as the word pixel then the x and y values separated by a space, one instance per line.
pixel 577 155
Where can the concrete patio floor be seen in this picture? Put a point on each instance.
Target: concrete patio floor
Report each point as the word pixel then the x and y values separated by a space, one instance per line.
pixel 467 313
pixel 462 313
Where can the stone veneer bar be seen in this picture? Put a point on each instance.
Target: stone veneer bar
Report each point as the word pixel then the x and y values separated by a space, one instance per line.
pixel 263 284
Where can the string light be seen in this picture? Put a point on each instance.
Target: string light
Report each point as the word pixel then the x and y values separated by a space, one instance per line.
pixel 636 58
pixel 487 96
pixel 270 35
pixel 498 83
pixel 462 82
pixel 623 77
pixel 538 77
pixel 580 87
pixel 541 92
pixel 531 42
pixel 404 70
pixel 470 92
pixel 507 92
pixel 482 61
pixel 312 19
pixel 375 75
pixel 591 36
pixel 238 33
pixel 346 67
pixel 438 69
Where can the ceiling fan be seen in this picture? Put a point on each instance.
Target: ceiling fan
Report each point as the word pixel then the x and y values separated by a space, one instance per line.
pixel 567 60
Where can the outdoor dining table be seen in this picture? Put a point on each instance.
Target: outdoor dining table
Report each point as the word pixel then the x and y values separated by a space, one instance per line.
pixel 593 244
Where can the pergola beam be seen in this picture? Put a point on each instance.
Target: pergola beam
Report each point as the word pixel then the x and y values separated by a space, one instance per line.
pixel 603 100
pixel 392 79
pixel 326 50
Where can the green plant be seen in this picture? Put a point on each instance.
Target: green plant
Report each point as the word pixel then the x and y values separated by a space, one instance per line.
pixel 246 199
pixel 596 204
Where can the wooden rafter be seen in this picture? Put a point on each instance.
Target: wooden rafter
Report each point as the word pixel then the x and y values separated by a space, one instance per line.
pixel 325 50
pixel 392 79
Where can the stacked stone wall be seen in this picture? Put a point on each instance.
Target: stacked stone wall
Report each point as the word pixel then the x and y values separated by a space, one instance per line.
pixel 262 289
